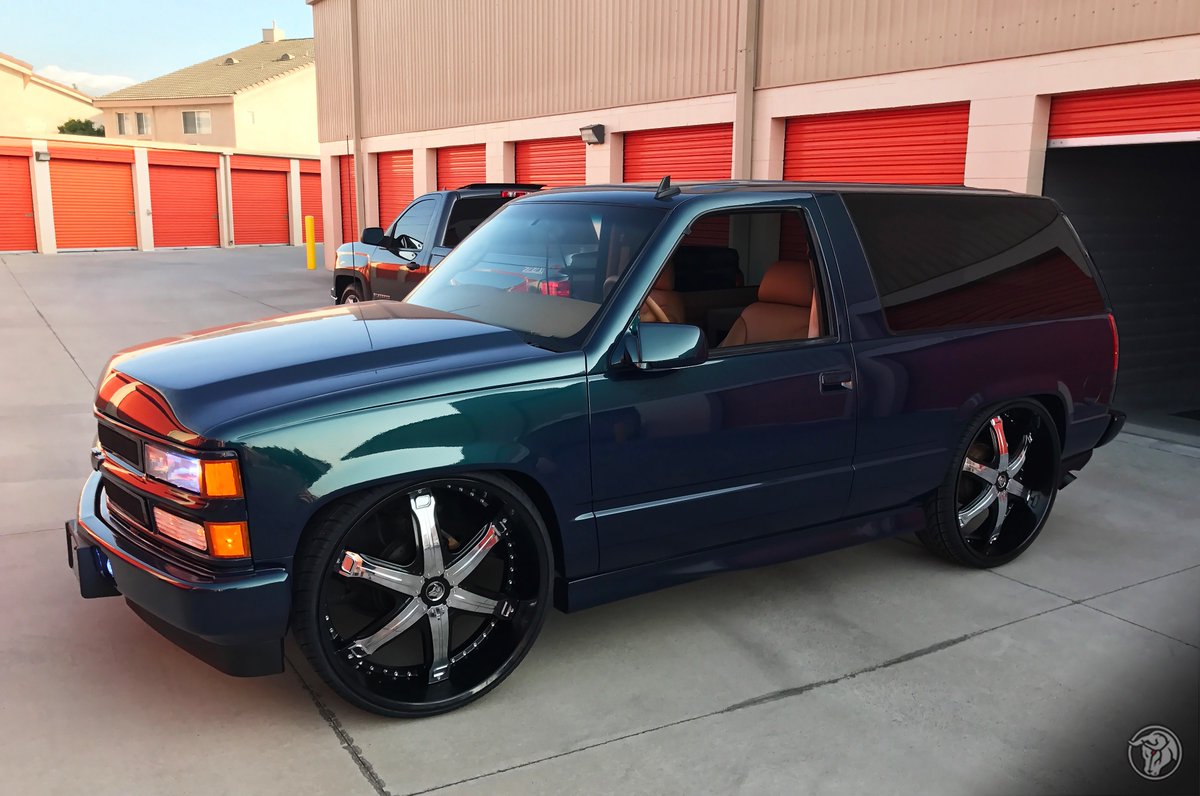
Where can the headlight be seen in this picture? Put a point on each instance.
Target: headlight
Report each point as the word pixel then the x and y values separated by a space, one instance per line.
pixel 218 478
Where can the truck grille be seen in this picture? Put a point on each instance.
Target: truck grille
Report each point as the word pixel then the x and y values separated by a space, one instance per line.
pixel 121 445
pixel 126 503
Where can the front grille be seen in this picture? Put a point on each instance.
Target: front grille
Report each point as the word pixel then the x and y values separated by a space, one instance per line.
pixel 126 503
pixel 121 445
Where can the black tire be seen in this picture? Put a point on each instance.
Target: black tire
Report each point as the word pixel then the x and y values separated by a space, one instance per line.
pixel 351 294
pixel 1006 502
pixel 369 619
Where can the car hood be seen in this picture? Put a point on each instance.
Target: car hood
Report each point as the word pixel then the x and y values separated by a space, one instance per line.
pixel 212 378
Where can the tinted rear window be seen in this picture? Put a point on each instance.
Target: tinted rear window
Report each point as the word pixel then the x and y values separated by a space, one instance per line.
pixel 942 261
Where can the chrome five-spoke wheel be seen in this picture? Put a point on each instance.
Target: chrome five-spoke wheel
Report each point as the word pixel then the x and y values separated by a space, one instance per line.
pixel 428 596
pixel 999 495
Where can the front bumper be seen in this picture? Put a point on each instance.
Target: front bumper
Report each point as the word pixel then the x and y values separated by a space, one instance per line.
pixel 235 623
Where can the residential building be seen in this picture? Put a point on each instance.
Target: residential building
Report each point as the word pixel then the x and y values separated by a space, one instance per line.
pixel 1094 102
pixel 34 105
pixel 260 98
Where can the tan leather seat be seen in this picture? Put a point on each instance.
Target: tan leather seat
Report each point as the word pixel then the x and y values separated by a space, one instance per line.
pixel 784 310
pixel 664 295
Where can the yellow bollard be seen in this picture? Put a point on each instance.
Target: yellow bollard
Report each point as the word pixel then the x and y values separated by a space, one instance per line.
pixel 310 243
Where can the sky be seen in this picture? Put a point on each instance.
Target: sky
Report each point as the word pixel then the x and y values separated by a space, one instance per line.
pixel 103 45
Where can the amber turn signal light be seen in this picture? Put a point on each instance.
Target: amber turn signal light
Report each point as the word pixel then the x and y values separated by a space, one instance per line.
pixel 221 478
pixel 228 539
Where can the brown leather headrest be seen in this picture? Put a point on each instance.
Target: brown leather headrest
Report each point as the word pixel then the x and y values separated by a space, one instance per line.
pixel 787 282
pixel 666 278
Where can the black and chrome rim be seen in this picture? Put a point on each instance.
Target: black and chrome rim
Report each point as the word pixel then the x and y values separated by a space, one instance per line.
pixel 350 297
pixel 1006 483
pixel 432 594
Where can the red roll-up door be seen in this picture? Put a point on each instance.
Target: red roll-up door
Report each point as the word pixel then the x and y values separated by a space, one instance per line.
pixel 703 152
pixel 310 202
pixel 349 183
pixel 925 145
pixel 552 162
pixel 183 198
pixel 260 207
pixel 395 184
pixel 461 165
pixel 92 194
pixel 17 233
pixel 1136 110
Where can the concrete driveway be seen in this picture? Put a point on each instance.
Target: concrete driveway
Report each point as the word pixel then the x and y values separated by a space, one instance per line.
pixel 875 669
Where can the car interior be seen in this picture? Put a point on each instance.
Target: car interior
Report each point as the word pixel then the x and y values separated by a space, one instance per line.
pixel 744 278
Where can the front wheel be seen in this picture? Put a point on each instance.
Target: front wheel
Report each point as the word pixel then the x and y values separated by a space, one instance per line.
pixel 1000 488
pixel 352 294
pixel 415 601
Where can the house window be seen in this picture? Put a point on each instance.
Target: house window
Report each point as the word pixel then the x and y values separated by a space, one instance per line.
pixel 143 123
pixel 197 122
pixel 122 124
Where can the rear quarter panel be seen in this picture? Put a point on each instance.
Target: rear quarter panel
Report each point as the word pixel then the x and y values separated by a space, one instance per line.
pixel 917 391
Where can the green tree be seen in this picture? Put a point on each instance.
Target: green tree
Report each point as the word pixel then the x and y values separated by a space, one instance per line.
pixel 80 127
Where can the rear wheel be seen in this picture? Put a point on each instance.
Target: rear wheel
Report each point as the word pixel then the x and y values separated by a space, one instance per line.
pixel 415 601
pixel 352 294
pixel 1000 488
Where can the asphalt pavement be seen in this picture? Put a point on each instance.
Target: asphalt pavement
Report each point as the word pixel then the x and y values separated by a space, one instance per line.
pixel 877 669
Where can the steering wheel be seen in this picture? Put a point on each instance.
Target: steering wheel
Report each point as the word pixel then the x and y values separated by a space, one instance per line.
pixel 656 311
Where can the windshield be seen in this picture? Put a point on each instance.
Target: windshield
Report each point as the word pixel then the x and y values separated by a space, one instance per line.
pixel 541 268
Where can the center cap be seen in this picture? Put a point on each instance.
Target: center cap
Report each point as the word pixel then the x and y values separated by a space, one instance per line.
pixel 1002 481
pixel 435 591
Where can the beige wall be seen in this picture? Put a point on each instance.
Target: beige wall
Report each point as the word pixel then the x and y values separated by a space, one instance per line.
pixel 32 108
pixel 527 58
pixel 279 116
pixel 167 122
pixel 806 41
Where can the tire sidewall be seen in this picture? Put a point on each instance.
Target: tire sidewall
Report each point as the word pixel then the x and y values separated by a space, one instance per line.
pixel 353 289
pixel 319 548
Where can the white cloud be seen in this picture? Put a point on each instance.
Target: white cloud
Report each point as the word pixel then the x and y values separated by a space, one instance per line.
pixel 86 82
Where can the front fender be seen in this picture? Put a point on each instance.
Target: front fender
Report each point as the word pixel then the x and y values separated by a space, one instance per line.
pixel 539 430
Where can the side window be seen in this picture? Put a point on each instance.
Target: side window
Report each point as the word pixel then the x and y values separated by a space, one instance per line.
pixel 745 278
pixel 468 214
pixel 952 261
pixel 414 222
pixel 122 124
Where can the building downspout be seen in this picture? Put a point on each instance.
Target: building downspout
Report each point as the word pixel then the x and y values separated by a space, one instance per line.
pixel 746 79
pixel 356 124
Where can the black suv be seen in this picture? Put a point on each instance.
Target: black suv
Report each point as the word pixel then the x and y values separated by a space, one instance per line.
pixel 388 264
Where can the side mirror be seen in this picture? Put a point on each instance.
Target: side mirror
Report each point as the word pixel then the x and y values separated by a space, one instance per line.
pixel 372 236
pixel 662 346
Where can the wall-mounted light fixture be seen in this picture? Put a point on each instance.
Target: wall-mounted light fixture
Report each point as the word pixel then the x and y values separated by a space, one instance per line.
pixel 41 157
pixel 592 134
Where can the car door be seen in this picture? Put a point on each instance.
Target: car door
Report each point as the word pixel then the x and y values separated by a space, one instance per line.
pixel 392 270
pixel 756 440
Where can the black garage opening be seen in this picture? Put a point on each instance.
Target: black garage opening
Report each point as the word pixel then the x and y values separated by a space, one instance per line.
pixel 1137 209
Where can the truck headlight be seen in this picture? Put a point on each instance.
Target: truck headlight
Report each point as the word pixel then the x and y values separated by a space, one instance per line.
pixel 217 478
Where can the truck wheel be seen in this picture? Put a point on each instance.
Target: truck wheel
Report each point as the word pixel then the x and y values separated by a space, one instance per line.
pixel 416 600
pixel 1000 488
pixel 352 294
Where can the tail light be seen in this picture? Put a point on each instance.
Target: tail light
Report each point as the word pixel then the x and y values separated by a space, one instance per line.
pixel 1112 324
pixel 555 287
pixel 512 194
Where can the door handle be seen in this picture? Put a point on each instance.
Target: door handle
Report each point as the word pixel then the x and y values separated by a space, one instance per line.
pixel 836 380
